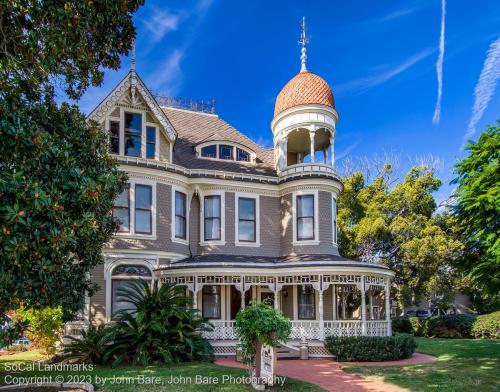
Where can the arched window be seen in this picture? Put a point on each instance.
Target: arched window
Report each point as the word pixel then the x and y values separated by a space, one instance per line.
pixel 121 276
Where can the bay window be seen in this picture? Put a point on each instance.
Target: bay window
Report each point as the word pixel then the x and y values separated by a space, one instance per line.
pixel 133 134
pixel 246 219
pixel 212 218
pixel 180 215
pixel 143 209
pixel 306 302
pixel 211 302
pixel 121 210
pixel 305 217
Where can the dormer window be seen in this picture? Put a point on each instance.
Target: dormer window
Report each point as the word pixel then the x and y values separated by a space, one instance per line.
pixel 150 142
pixel 225 152
pixel 209 151
pixel 228 151
pixel 133 134
pixel 242 155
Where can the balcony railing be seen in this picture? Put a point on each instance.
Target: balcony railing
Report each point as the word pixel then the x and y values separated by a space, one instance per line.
pixel 309 330
pixel 308 170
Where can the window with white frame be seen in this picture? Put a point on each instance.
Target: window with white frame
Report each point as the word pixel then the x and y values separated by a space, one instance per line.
pixel 305 217
pixel 211 302
pixel 114 137
pixel 306 302
pixel 150 142
pixel 226 151
pixel 143 209
pixel 134 210
pixel 247 219
pixel 212 218
pixel 133 134
pixel 121 277
pixel 121 210
pixel 180 215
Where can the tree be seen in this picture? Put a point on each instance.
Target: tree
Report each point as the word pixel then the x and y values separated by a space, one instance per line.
pixel 396 225
pixel 57 182
pixel 476 209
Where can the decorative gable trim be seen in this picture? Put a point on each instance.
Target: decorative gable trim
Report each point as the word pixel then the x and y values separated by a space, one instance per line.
pixel 132 84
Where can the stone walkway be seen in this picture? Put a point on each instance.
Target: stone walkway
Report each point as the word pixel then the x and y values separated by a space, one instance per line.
pixel 329 375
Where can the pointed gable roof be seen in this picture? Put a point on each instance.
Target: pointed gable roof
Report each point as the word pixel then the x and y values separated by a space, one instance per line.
pixel 133 84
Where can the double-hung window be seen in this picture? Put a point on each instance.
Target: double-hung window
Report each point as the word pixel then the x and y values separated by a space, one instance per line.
pixel 212 218
pixel 121 210
pixel 334 224
pixel 305 217
pixel 307 302
pixel 211 302
pixel 114 137
pixel 247 219
pixel 133 134
pixel 180 215
pixel 143 209
pixel 150 142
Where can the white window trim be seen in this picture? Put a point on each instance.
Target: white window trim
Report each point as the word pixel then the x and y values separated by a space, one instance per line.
pixel 110 265
pixel 253 155
pixel 256 197
pixel 222 240
pixel 157 141
pixel 173 237
pixel 296 242
pixel 132 233
pixel 334 219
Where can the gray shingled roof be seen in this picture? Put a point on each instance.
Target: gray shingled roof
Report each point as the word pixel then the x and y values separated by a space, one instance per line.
pixel 239 261
pixel 194 127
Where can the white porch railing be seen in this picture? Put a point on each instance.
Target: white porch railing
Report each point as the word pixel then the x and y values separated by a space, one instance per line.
pixel 308 330
pixel 223 330
pixel 307 169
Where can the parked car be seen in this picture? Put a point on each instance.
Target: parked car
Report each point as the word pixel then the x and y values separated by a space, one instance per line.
pixel 418 313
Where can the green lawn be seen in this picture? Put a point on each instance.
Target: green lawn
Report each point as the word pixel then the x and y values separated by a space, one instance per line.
pixel 129 378
pixel 463 365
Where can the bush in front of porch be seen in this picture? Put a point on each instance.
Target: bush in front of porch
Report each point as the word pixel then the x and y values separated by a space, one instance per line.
pixel 159 326
pixel 371 348
pixel 260 322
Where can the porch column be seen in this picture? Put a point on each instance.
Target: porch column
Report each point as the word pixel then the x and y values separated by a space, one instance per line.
pixel 370 299
pixel 388 307
pixel 332 152
pixel 363 306
pixel 312 132
pixel 334 300
pixel 320 313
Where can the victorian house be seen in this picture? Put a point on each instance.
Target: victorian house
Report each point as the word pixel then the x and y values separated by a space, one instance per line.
pixel 210 209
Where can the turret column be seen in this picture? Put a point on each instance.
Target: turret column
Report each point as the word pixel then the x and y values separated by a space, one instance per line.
pixel 312 132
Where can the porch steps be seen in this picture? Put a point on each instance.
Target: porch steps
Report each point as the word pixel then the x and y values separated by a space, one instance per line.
pixel 287 351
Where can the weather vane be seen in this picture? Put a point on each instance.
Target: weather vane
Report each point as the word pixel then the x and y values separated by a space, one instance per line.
pixel 304 40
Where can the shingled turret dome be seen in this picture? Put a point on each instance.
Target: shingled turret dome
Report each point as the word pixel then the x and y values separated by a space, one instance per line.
pixel 303 89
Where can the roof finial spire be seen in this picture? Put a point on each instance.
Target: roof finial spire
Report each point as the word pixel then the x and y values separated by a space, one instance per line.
pixel 304 40
pixel 132 60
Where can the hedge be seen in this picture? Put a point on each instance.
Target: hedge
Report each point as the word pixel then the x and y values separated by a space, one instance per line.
pixel 401 325
pixel 487 326
pixel 450 326
pixel 371 348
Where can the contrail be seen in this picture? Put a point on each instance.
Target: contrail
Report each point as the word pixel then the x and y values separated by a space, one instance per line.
pixel 485 87
pixel 439 65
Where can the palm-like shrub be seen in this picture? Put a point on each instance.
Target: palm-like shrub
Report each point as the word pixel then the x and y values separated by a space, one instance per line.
pixel 91 347
pixel 158 326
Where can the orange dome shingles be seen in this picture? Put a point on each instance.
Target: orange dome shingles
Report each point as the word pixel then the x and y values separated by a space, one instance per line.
pixel 304 88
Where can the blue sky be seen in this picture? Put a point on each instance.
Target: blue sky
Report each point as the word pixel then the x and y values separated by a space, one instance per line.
pixel 379 57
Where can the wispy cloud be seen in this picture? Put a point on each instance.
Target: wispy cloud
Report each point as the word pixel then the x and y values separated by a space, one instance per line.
pixel 485 87
pixel 168 75
pixel 439 65
pixel 160 23
pixel 363 84
pixel 397 14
